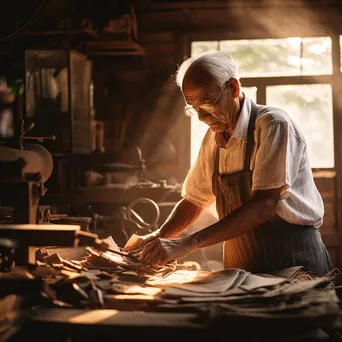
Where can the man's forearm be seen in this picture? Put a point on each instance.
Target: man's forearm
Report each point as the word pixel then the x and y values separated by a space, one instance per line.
pixel 241 220
pixel 182 216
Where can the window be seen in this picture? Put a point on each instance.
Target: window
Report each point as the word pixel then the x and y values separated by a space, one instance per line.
pixel 269 71
pixel 275 57
pixel 310 107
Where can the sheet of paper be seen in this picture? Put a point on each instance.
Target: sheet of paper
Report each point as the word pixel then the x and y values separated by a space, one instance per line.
pixel 254 281
pixel 214 282
pixel 111 243
pixel 132 241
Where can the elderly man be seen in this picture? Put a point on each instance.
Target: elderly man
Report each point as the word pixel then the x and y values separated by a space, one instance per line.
pixel 253 161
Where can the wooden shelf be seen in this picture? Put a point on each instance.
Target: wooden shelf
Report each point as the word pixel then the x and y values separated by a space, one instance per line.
pixel 111 194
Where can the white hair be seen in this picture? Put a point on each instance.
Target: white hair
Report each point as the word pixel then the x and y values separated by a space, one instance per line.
pixel 217 64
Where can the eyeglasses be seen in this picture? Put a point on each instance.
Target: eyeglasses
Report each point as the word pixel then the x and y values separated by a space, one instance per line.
pixel 206 107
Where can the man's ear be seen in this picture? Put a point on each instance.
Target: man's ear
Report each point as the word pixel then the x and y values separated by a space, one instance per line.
pixel 235 86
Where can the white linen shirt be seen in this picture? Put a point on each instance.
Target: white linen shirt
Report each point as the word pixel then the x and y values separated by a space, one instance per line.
pixel 279 159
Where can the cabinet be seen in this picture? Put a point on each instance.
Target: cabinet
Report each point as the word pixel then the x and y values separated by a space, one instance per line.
pixel 59 99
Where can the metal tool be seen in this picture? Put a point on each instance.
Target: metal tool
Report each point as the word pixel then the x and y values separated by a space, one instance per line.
pixel 131 222
pixel 40 139
pixel 22 177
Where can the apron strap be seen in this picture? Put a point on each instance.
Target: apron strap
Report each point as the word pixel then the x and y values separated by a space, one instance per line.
pixel 217 161
pixel 250 136
pixel 250 142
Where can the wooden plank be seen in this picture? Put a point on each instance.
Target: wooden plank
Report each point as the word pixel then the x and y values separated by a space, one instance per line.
pixel 329 220
pixel 111 194
pixel 156 37
pixel 326 184
pixel 285 80
pixel 337 110
pixel 291 22
pixel 161 48
pixel 332 240
pixel 334 256
pixel 333 252
pixel 110 45
pixel 245 4
pixel 117 53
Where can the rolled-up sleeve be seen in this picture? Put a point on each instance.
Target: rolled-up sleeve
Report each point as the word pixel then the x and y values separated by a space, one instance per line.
pixel 277 159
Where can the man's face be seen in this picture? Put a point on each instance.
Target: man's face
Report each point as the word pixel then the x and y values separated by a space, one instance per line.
pixel 213 104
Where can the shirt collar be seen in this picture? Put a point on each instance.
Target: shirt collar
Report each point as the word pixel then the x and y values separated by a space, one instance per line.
pixel 241 128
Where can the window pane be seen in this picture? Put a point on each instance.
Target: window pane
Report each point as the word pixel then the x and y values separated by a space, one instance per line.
pixel 292 56
pixel 310 106
pixel 203 46
pixel 264 57
pixel 251 92
pixel 316 58
pixel 198 130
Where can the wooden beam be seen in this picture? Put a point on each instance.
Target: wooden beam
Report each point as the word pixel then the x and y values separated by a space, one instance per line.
pixel 246 4
pixel 272 21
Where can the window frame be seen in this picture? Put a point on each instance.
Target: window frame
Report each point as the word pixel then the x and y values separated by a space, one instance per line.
pixel 262 82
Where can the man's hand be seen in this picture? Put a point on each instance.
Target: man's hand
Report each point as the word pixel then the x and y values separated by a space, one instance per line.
pixel 160 251
pixel 136 243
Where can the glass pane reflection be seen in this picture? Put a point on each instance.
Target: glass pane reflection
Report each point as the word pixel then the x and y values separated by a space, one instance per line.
pixel 310 106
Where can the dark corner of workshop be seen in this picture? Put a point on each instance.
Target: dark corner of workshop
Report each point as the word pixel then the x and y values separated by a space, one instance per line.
pixel 145 197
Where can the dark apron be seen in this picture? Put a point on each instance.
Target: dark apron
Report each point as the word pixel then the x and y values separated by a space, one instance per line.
pixel 274 245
